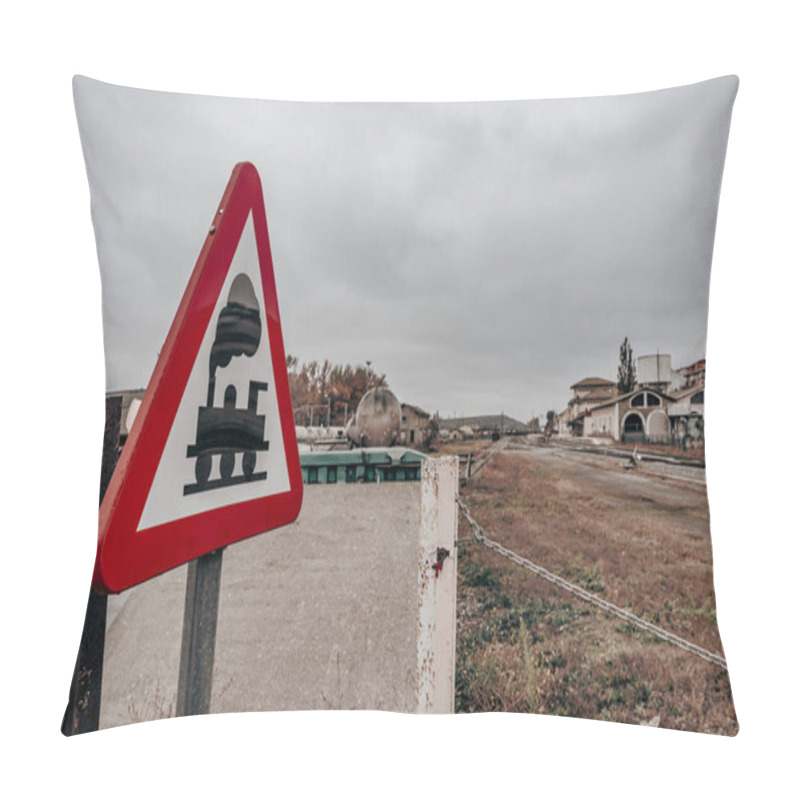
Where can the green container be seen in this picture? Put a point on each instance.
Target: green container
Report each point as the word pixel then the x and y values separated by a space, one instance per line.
pixel 362 465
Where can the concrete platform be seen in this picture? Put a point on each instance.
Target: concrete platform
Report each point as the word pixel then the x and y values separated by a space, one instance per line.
pixel 320 614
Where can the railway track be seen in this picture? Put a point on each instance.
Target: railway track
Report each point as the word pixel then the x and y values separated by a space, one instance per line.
pixel 619 452
pixel 469 466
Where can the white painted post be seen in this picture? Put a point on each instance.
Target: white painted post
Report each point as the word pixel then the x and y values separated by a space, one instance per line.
pixel 436 631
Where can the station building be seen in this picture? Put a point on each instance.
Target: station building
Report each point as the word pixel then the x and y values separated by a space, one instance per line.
pixel 666 406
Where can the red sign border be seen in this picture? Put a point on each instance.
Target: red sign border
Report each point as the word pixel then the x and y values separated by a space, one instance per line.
pixel 126 556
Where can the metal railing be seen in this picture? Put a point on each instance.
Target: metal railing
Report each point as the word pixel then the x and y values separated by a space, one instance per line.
pixel 684 442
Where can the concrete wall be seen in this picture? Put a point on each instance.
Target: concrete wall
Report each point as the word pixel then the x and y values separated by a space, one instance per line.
pixel 600 423
pixel 324 613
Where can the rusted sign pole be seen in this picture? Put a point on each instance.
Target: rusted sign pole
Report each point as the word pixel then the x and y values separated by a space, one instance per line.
pixel 83 708
pixel 196 669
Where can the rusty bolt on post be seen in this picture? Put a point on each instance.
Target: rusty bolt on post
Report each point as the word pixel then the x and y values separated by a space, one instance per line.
pixel 441 554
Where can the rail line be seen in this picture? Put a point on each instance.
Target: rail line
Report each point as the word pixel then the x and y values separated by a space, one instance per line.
pixel 469 468
pixel 620 453
pixel 653 466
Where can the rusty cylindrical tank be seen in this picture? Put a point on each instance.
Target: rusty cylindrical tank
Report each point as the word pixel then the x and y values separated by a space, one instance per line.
pixel 377 420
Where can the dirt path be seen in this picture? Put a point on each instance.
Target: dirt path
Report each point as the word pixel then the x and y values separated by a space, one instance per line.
pixel 615 466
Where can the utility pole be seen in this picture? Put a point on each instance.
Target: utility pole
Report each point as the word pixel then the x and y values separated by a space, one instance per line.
pixel 83 709
pixel 658 368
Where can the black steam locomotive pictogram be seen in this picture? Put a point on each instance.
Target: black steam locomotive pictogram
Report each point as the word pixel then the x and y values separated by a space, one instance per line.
pixel 223 433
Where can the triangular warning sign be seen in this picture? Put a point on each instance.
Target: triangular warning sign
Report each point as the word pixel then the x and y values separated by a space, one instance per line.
pixel 212 457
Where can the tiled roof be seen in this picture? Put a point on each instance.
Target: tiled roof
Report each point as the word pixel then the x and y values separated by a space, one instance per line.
pixel 588 382
pixel 416 409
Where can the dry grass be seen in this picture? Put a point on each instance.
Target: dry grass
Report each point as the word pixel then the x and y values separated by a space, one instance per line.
pixel 160 705
pixel 524 645
pixel 157 706
pixel 463 447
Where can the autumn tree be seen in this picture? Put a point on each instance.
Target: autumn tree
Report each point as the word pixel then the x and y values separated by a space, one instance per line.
pixel 318 389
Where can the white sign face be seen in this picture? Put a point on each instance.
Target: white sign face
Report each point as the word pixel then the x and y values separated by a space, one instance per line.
pixel 226 443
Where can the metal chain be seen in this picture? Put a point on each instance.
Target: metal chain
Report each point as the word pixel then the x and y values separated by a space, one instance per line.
pixel 578 591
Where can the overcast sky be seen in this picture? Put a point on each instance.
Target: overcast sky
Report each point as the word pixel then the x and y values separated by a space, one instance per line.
pixel 485 256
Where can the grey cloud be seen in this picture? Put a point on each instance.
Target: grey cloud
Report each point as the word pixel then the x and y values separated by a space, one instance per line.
pixel 483 255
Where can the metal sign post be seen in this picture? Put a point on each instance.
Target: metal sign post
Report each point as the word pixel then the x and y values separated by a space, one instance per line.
pixel 83 708
pixel 196 670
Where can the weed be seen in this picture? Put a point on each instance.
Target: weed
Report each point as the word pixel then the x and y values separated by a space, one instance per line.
pixel 159 706
pixel 473 573
pixel 528 665
pixel 551 661
pixel 587 577
pixel 706 611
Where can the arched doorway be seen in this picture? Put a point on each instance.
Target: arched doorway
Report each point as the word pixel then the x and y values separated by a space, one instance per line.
pixel 633 423
pixel 658 425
